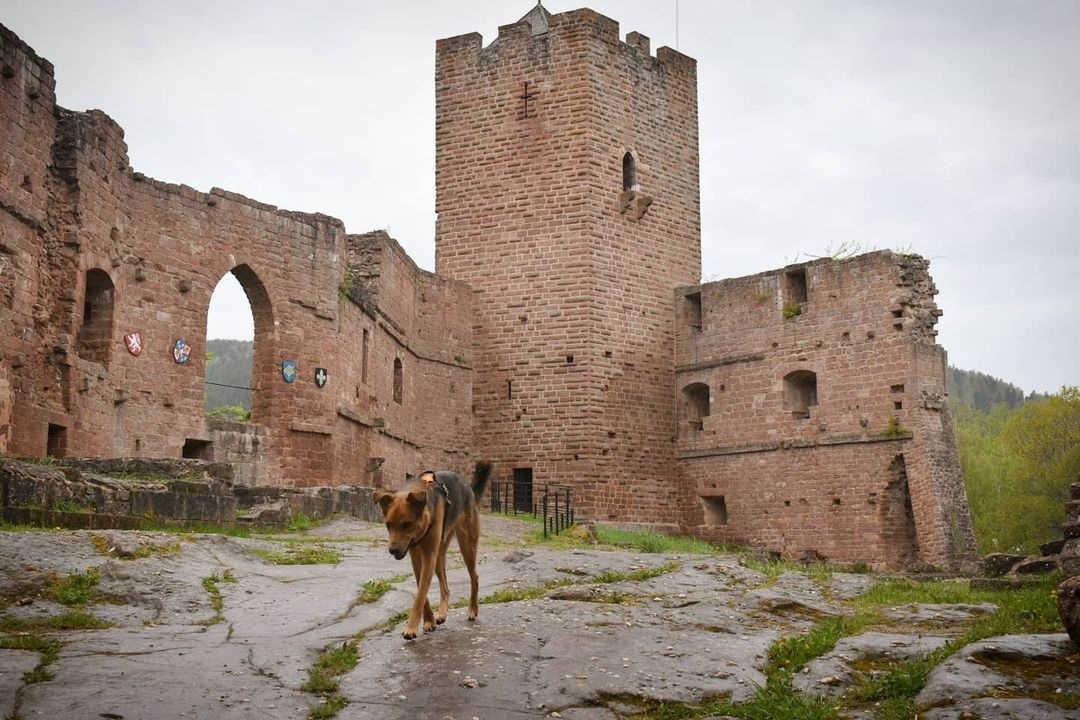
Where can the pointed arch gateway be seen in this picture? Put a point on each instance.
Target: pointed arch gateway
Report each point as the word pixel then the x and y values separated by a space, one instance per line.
pixel 262 368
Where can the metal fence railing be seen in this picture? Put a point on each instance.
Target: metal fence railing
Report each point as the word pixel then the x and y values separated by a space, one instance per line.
pixel 553 503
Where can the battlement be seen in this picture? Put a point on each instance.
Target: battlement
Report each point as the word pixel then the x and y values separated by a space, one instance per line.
pixel 535 33
pixel 19 62
pixel 27 126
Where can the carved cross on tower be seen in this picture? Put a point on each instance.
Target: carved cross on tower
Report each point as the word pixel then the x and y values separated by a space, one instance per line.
pixel 526 96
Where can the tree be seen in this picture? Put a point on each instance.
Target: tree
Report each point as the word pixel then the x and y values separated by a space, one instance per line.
pixel 1044 439
pixel 1018 465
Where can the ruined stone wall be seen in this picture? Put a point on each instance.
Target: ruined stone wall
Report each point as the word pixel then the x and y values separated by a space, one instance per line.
pixel 93 250
pixel 811 413
pixel 572 276
pixel 422 322
pixel 27 126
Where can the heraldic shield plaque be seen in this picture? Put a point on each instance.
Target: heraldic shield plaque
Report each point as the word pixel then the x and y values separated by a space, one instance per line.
pixel 181 351
pixel 134 343
pixel 321 376
pixel 288 370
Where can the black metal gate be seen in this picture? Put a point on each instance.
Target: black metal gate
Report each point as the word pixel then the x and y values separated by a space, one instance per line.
pixel 554 503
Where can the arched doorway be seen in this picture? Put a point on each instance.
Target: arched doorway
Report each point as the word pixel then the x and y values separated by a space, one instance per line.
pixel 239 321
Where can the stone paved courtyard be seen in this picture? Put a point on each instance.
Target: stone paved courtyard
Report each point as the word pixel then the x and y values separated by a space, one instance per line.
pixel 611 629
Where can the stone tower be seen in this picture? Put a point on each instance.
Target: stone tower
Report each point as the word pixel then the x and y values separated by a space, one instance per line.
pixel 567 197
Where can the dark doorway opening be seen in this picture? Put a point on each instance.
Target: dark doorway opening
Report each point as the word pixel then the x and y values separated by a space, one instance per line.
pixel 56 445
pixel 198 449
pixel 523 489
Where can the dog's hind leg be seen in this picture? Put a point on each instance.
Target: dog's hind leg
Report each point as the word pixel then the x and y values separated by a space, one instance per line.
pixel 421 606
pixel 468 537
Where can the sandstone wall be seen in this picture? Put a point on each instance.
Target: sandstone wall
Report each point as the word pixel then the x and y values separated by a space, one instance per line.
pixel 814 397
pixel 572 272
pixel 92 250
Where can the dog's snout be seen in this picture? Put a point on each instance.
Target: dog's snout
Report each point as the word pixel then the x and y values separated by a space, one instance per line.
pixel 398 553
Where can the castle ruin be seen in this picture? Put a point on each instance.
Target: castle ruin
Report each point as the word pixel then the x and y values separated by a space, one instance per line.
pixel 563 334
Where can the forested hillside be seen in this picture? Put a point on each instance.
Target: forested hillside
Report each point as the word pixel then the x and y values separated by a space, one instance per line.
pixel 981 390
pixel 228 363
pixel 1018 463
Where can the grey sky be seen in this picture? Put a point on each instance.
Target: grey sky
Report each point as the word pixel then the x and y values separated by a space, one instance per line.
pixel 950 129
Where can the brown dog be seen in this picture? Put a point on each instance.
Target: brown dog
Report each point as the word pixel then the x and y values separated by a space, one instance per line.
pixel 421 516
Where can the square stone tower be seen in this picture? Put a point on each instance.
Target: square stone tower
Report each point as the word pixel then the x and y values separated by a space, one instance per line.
pixel 567 197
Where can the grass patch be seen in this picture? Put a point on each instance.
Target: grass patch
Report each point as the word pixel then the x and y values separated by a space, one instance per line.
pixel 104 546
pixel 373 590
pixel 1028 609
pixel 75 589
pixel 199 528
pixel 654 542
pixel 821 573
pixel 49 648
pixel 72 507
pixel 299 522
pixel 301 554
pixel 789 654
pixel 609 538
pixel 68 620
pixel 505 595
pixel 331 664
pixel 329 707
pixel 217 602
pixel 889 687
pixel 17 527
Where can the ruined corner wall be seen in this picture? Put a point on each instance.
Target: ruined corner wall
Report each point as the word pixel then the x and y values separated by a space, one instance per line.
pixel 92 250
pixel 402 316
pixel 572 273
pixel 27 126
pixel 812 416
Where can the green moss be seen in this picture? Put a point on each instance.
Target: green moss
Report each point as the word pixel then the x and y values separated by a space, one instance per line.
pixel 299 554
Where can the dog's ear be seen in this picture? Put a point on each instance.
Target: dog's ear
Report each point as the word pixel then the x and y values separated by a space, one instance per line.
pixel 384 499
pixel 418 498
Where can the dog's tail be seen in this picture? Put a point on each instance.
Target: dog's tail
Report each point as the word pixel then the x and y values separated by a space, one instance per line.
pixel 480 478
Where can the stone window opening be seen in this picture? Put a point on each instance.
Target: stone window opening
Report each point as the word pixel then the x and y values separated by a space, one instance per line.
pixel 795 287
pixel 632 202
pixel 95 332
pixel 696 405
pixel 198 449
pixel 793 293
pixel 800 392
pixel 715 507
pixel 364 357
pixel 692 310
pixel 398 381
pixel 629 172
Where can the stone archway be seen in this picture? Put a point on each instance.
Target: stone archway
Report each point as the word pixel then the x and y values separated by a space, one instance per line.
pixel 262 356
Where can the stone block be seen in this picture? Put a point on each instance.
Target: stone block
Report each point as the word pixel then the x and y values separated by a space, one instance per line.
pixel 998 564
pixel 1068 602
pixel 1036 566
pixel 1052 548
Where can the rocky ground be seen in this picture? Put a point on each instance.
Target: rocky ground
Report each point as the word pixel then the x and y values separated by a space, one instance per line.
pixel 210 626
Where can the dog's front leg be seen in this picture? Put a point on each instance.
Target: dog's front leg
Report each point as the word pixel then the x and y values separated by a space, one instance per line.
pixel 444 585
pixel 423 569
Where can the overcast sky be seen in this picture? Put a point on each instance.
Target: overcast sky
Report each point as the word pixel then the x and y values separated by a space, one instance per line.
pixel 946 128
